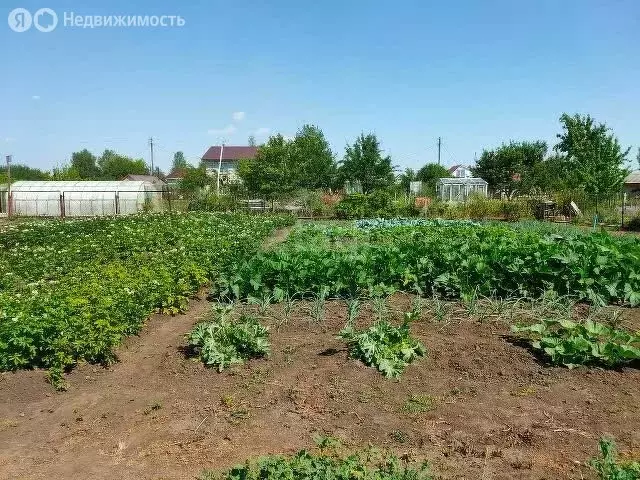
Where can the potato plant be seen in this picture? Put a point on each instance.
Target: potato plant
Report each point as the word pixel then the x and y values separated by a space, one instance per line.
pixel 304 465
pixel 70 291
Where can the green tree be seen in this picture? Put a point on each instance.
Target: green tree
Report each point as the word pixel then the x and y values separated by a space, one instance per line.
pixel 594 160
pixel 85 163
pixel 429 175
pixel 23 172
pixel 638 158
pixel 195 179
pixel 511 167
pixel 272 173
pixel 114 166
pixel 178 161
pixel 313 159
pixel 65 172
pixel 405 179
pixel 363 162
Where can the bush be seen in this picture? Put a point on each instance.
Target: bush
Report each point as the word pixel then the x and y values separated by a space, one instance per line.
pixel 213 203
pixel 378 204
pixel 223 342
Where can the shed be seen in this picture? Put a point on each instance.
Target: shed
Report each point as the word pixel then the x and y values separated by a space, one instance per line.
pixel 81 198
pixel 632 183
pixel 459 189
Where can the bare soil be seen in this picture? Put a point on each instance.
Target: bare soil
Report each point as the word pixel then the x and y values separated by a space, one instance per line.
pixel 491 409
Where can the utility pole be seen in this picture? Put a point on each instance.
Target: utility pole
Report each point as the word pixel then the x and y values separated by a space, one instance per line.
pixel 219 168
pixel 9 158
pixel 151 147
pixel 439 148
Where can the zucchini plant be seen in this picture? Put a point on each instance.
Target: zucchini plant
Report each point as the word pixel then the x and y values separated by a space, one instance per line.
pixel 572 344
pixel 384 346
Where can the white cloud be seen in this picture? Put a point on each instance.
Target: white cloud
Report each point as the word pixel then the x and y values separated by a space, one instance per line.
pixel 35 97
pixel 262 131
pixel 238 116
pixel 228 130
pixel 9 139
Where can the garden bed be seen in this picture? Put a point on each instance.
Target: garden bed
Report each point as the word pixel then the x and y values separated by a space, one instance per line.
pixel 477 406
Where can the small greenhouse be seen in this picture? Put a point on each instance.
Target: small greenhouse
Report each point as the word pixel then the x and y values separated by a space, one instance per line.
pixel 82 198
pixel 460 189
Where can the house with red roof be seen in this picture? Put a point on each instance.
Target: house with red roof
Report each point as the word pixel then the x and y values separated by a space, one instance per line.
pixel 227 157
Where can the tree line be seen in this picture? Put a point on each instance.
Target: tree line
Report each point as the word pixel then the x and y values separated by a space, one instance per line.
pixel 283 166
pixel 587 158
pixel 84 165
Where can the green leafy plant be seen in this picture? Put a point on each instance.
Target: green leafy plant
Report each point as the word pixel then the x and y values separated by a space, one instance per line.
pixel 224 342
pixel 571 344
pixel 384 346
pixel 71 291
pixel 450 259
pixel 327 464
pixel 608 467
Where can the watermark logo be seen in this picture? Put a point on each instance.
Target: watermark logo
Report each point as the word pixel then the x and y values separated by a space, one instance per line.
pixel 20 20
pixel 46 20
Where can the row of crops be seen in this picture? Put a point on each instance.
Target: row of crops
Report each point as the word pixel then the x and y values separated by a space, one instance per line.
pixel 450 259
pixel 71 291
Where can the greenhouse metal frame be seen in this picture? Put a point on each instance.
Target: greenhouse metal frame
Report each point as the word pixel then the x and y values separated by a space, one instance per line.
pixel 460 189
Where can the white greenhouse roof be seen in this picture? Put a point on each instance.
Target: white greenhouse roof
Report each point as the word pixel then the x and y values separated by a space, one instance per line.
pixel 79 186
pixel 462 181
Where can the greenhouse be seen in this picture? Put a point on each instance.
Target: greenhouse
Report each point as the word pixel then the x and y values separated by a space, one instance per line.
pixel 82 198
pixel 460 189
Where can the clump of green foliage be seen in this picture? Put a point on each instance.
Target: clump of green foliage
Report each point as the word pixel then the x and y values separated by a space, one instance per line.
pixel 327 464
pixel 378 204
pixel 384 346
pixel 224 342
pixel 608 467
pixel 448 259
pixel 71 291
pixel 571 344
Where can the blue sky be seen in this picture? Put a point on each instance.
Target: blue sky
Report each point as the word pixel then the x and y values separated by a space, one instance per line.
pixel 475 73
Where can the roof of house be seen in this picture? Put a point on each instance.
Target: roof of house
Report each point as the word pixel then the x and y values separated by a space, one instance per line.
pixel 454 168
pixel 633 177
pixel 177 173
pixel 143 178
pixel 229 152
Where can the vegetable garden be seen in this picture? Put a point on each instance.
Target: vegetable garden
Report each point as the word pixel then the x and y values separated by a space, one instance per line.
pixel 71 291
pixel 446 343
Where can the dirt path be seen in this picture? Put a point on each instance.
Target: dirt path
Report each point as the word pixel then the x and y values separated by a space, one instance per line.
pixel 490 410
